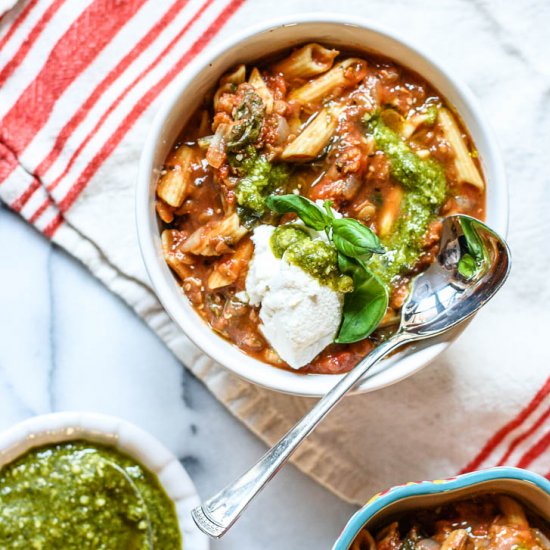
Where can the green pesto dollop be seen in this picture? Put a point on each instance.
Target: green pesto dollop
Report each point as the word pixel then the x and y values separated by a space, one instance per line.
pixel 258 178
pixel 80 495
pixel 425 190
pixel 286 236
pixel 315 257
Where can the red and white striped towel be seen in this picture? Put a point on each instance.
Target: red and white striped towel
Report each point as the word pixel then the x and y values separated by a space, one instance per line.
pixel 79 83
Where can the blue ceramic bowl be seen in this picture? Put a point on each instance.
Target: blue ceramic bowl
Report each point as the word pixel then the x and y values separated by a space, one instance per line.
pixel 527 487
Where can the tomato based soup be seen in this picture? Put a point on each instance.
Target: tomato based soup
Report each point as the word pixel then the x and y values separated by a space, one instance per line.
pixel 491 521
pixel 370 136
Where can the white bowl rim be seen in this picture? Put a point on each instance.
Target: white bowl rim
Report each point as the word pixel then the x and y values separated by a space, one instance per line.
pixel 125 437
pixel 403 364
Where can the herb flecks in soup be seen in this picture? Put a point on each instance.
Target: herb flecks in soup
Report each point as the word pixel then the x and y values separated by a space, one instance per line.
pixel 79 495
pixel 303 196
pixel 491 522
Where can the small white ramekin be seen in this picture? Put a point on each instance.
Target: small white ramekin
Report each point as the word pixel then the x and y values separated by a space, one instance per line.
pixel 342 31
pixel 123 436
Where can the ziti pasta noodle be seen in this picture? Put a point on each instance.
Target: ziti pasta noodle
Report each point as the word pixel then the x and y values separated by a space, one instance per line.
pixel 284 162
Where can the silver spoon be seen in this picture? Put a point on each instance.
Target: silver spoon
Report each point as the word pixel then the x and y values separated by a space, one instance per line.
pixel 472 264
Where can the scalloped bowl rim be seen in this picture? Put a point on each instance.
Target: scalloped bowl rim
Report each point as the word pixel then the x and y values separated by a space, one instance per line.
pixel 122 435
pixel 167 290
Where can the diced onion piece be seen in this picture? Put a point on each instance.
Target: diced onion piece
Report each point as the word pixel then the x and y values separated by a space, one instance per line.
pixel 215 155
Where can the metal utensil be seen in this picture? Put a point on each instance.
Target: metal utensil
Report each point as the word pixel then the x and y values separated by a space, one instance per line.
pixel 472 264
pixel 146 535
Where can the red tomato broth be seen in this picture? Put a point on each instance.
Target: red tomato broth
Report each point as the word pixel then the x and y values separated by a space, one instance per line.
pixel 354 174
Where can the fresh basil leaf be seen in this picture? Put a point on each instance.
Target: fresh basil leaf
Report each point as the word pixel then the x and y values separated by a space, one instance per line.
pixel 328 207
pixel 354 239
pixel 306 210
pixel 248 121
pixel 348 266
pixel 473 240
pixel 365 306
pixel 475 258
pixel 467 266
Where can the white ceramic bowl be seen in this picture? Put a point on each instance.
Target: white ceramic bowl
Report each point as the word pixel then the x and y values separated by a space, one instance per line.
pixel 201 76
pixel 122 435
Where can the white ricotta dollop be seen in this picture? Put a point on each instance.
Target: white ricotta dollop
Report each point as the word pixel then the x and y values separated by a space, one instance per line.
pixel 264 265
pixel 300 317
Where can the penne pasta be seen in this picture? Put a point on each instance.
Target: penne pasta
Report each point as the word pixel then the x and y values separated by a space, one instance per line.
pixel 310 60
pixel 391 318
pixel 229 268
pixel 426 117
pixel 513 512
pixel 343 75
pixel 173 256
pixel 457 540
pixel 390 211
pixel 237 76
pixel 314 137
pixel 228 83
pixel 406 127
pixel 174 183
pixel 466 169
pixel 363 541
pixel 262 90
pixel 164 211
pixel 216 237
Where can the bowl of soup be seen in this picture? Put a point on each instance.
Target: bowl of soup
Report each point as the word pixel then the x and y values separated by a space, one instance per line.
pixel 495 509
pixel 86 480
pixel 294 184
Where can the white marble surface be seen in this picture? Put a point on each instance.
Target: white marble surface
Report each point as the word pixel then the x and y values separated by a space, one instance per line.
pixel 68 344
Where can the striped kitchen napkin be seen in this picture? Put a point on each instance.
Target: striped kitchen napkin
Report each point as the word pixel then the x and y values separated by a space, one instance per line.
pixel 80 81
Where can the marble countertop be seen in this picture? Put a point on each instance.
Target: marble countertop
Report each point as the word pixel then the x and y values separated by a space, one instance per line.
pixel 69 344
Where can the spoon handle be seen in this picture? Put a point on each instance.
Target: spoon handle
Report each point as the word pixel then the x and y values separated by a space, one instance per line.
pixel 218 514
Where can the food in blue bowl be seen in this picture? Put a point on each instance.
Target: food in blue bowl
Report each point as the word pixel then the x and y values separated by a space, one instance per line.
pixel 496 509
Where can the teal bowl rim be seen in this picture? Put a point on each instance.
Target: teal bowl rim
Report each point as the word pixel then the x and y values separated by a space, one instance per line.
pixel 381 500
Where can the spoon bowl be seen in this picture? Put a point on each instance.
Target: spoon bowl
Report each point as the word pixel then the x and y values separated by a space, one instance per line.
pixel 471 266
